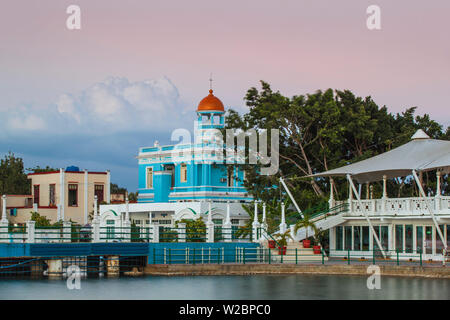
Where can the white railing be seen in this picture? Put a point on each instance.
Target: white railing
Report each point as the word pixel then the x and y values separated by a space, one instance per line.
pixel 399 206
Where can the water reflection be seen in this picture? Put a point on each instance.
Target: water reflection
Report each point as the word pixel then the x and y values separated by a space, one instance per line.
pixel 269 287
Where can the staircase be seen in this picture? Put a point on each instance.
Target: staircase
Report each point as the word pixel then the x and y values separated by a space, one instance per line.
pixel 295 253
pixel 324 220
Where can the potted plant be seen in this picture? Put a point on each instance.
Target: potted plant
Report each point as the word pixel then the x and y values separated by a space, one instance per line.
pixel 316 249
pixel 282 241
pixel 306 243
pixel 306 223
pixel 319 236
pixel 272 244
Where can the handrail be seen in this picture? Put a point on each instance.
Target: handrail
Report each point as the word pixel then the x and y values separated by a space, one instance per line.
pixel 271 238
pixel 334 210
pixel 324 209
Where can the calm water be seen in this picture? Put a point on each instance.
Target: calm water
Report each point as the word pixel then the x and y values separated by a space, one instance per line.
pixel 229 287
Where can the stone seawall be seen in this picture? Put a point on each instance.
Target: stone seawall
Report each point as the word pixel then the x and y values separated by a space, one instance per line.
pixel 253 269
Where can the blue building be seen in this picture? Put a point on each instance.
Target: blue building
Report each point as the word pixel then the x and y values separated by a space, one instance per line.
pixel 193 171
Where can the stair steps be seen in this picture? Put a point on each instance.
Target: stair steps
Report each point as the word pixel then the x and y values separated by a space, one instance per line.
pixel 303 254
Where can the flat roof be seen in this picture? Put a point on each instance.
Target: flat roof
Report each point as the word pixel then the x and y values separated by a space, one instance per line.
pixel 52 172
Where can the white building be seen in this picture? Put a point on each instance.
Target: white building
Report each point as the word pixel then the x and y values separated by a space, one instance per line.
pixel 413 228
pixel 167 213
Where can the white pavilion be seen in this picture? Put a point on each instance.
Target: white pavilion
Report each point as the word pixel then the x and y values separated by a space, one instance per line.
pixel 412 228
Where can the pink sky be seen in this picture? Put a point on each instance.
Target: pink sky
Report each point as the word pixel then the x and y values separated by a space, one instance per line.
pixel 48 72
pixel 297 46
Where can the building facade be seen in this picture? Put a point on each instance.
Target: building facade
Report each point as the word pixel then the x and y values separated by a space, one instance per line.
pixel 407 227
pixel 182 181
pixel 62 195
pixel 192 171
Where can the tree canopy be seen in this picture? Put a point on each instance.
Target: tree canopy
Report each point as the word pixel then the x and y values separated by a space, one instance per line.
pixel 325 130
pixel 13 179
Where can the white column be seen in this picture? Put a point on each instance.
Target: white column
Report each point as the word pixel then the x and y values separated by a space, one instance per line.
pixel 62 194
pixel 4 221
pixel 182 232
pixel 95 208
pixel 108 186
pixel 255 216
pixel 210 212
pixel 331 200
pixel 127 223
pixel 255 224
pixel 67 226
pixel 227 225
pixel 391 237
pixel 283 225
pixel 228 217
pixel 332 235
pixel 437 199
pixel 95 223
pixel 58 212
pixel 438 183
pixel 264 218
pixel 210 225
pixel 86 195
pixel 4 217
pixel 433 240
pixel 31 235
pixel 350 198
pixel 384 187
pixel 127 210
pixel 155 232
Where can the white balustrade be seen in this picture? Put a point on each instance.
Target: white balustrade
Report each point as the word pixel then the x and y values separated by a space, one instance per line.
pixel 398 206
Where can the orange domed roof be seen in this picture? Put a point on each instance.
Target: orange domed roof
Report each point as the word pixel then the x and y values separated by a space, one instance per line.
pixel 210 103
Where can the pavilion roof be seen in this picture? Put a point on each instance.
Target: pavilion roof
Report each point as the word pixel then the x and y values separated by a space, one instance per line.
pixel 421 154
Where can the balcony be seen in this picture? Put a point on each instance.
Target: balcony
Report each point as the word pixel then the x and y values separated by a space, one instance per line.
pixel 398 207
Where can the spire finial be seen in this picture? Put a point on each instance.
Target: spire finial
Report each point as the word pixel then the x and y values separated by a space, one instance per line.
pixel 210 82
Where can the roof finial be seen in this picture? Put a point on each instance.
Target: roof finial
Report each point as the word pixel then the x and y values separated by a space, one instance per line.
pixel 210 83
pixel 420 134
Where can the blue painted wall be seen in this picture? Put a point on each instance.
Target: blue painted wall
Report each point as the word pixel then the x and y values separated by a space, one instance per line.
pixel 14 250
pixel 163 181
pixel 205 175
pixel 174 252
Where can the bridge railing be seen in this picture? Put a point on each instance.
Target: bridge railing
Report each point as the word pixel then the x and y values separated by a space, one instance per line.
pixel 13 234
pixel 68 232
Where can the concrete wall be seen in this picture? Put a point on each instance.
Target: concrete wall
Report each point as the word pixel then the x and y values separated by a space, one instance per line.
pixel 251 269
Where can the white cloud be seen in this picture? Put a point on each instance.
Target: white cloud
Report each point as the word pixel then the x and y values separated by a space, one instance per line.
pixel 113 105
pixel 27 122
pixel 128 105
pixel 66 104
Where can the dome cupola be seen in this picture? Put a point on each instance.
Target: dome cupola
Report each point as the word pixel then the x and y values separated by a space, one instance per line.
pixel 210 103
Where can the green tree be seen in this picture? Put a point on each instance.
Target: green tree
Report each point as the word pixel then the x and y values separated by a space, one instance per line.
pixel 13 179
pixel 132 196
pixel 195 229
pixel 38 169
pixel 325 130
pixel 116 189
pixel 306 223
pixel 42 221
